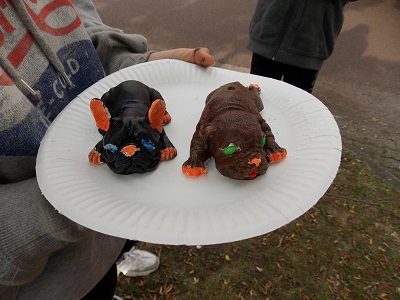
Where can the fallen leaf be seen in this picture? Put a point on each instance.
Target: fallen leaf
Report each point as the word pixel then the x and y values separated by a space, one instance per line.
pixel 188 262
pixel 140 283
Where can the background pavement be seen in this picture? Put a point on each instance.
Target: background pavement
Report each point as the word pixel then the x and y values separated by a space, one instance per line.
pixel 359 83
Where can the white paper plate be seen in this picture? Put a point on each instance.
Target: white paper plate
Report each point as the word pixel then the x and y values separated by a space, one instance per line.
pixel 167 207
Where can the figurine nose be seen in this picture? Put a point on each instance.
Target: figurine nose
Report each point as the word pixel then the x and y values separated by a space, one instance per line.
pixel 129 150
pixel 255 161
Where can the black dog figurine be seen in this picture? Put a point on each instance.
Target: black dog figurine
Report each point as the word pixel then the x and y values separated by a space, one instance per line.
pixel 130 116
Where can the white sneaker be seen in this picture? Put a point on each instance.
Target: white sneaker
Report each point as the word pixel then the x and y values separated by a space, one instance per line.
pixel 138 263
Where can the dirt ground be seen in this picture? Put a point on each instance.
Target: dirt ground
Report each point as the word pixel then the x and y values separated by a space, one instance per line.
pixel 359 83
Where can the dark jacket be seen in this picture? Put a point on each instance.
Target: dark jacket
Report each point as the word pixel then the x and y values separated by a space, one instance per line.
pixel 296 32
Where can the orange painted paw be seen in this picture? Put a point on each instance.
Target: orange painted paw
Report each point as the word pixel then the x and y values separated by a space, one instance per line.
pixel 277 156
pixel 195 171
pixel 100 114
pixel 94 157
pixel 168 153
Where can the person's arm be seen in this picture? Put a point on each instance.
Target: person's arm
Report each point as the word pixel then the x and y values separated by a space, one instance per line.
pixel 31 230
pixel 118 50
pixel 115 48
pixel 198 56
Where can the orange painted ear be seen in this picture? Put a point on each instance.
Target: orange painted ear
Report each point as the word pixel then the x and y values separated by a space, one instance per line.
pixel 156 114
pixel 100 114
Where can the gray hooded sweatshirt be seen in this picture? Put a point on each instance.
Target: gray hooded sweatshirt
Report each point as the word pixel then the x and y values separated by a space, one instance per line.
pixel 50 51
pixel 300 33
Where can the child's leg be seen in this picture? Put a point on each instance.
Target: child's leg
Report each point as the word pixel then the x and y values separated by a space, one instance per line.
pixel 265 67
pixel 300 77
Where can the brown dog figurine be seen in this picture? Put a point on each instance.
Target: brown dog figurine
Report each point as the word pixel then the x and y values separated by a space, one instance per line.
pixel 233 132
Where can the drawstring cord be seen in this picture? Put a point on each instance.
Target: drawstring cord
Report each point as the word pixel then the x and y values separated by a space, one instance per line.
pixel 13 73
pixel 36 94
pixel 41 40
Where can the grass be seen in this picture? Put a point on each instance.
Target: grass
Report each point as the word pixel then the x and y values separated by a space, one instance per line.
pixel 346 247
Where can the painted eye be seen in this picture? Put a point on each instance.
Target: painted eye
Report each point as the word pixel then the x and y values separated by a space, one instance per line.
pixel 231 149
pixel 110 147
pixel 148 145
pixel 263 140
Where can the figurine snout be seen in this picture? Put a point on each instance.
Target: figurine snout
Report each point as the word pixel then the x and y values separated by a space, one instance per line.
pixel 255 161
pixel 129 150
